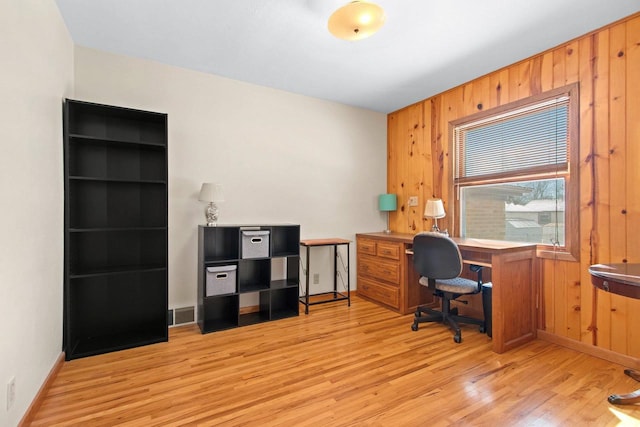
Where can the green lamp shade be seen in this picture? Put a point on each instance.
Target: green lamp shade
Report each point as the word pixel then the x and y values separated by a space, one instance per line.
pixel 387 202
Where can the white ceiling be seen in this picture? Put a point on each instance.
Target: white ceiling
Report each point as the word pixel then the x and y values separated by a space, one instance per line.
pixel 424 48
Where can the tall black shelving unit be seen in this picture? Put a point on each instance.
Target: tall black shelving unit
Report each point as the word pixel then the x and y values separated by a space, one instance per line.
pixel 115 276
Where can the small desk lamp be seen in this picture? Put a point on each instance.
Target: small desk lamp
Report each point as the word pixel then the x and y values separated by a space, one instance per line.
pixel 434 209
pixel 211 193
pixel 387 203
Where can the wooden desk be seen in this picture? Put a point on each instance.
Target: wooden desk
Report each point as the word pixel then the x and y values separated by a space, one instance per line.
pixel 513 274
pixel 336 296
pixel 620 279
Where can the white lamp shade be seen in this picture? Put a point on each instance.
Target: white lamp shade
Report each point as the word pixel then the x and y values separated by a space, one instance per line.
pixel 434 209
pixel 211 192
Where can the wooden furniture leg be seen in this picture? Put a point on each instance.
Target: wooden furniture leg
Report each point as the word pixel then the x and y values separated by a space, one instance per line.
pixel 629 398
pixel 633 374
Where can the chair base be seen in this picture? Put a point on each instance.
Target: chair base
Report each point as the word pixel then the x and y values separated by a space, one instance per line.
pixel 448 316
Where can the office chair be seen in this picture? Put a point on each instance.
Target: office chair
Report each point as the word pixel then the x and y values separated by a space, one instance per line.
pixel 438 260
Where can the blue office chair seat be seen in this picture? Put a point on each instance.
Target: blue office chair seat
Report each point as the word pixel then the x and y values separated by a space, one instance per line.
pixel 438 260
pixel 459 285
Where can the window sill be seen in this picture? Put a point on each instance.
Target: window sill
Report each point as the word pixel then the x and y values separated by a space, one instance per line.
pixel 560 254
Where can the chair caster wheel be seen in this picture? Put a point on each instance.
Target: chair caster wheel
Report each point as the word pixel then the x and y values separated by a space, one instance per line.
pixel 414 327
pixel 482 330
pixel 457 338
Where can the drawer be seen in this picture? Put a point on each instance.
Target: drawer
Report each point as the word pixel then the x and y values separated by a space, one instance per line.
pixel 388 250
pixel 385 294
pixel 366 246
pixel 379 269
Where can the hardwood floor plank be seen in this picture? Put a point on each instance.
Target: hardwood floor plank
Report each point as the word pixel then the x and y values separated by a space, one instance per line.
pixel 338 366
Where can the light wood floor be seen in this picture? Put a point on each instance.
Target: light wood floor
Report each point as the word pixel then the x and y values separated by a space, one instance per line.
pixel 337 366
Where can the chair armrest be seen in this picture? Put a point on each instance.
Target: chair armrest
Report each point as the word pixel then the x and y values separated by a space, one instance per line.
pixel 477 269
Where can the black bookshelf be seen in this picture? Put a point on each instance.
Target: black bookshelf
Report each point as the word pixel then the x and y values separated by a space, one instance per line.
pixel 222 247
pixel 115 278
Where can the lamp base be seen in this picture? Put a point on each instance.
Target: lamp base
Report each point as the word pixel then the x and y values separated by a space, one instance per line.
pixel 211 214
pixel 388 230
pixel 435 229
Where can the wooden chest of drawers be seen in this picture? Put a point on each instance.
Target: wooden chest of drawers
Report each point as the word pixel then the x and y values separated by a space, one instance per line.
pixel 384 275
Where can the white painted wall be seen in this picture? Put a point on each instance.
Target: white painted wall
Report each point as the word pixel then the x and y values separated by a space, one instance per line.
pixel 282 158
pixel 36 74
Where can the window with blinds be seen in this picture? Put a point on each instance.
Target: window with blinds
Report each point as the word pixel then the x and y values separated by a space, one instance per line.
pixel 513 170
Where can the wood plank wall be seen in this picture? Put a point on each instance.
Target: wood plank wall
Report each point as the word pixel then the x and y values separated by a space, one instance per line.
pixel 606 63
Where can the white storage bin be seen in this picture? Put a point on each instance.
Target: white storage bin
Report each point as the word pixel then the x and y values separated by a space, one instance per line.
pixel 255 243
pixel 221 280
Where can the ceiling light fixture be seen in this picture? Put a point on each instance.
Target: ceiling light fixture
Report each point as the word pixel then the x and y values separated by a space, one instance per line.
pixel 356 20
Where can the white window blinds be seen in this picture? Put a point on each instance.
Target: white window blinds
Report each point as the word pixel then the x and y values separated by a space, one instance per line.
pixel 527 141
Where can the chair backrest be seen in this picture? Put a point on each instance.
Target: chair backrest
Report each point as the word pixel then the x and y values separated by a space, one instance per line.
pixel 436 256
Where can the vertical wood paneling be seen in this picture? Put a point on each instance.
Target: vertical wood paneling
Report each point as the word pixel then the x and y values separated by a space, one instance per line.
pixel 633 139
pixel 606 64
pixel 428 179
pixel 546 72
pixel 559 67
pixel 633 178
pixel 407 171
pixel 601 133
pixel 574 301
pixel 619 324
pixel 394 139
pixel 617 143
pixel 548 295
pixel 535 76
pixel 452 108
pixel 611 335
pixel 633 341
pixel 572 69
pixel 393 150
pixel 436 140
pixel 417 156
pixel 499 88
pixel 584 61
pixel 524 79
pixel 467 98
pixel 559 306
pixel 514 83
pixel 481 94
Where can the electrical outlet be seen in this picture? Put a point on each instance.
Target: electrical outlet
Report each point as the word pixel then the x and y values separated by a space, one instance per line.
pixel 11 392
pixel 316 278
pixel 413 201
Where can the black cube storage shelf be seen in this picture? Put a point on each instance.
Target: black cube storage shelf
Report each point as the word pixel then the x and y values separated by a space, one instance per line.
pixel 277 297
pixel 115 228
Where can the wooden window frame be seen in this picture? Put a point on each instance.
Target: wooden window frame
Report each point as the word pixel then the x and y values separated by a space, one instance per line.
pixel 571 249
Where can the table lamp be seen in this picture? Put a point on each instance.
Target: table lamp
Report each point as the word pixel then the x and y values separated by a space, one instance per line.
pixel 211 193
pixel 387 203
pixel 434 209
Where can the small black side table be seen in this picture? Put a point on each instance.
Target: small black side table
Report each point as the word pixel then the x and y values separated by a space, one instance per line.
pixel 337 296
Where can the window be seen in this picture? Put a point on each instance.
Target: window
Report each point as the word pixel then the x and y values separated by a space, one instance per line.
pixel 516 172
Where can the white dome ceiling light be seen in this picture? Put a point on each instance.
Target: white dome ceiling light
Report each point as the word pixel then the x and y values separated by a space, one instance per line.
pixel 356 20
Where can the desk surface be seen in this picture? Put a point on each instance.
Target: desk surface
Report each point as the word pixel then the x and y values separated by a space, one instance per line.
pixel 478 245
pixel 324 242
